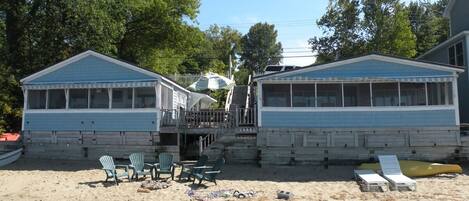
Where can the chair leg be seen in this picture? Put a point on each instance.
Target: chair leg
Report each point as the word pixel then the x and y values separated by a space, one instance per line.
pixel 115 180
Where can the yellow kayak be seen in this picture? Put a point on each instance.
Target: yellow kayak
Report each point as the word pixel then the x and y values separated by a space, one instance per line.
pixel 418 168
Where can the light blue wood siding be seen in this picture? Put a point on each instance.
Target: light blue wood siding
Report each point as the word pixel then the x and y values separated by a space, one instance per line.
pixel 361 119
pixel 91 69
pixel 370 68
pixel 128 121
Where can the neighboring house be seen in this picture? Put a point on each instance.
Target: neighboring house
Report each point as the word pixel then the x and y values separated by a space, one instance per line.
pixel 454 50
pixel 100 98
pixel 365 102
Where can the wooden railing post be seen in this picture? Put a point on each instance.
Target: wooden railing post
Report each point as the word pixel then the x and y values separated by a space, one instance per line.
pixel 236 117
pixel 200 145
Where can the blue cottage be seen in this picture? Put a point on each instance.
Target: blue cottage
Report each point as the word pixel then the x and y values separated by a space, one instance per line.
pixel 98 98
pixel 357 108
pixel 372 91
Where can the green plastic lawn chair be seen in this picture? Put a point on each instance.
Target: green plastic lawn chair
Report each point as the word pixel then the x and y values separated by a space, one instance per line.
pixel 110 168
pixel 210 174
pixel 165 165
pixel 188 171
pixel 137 164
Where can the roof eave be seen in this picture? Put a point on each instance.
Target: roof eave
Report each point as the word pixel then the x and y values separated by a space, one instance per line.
pixel 364 58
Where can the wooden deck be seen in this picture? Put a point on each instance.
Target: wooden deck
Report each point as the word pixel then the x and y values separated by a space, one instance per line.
pixel 208 121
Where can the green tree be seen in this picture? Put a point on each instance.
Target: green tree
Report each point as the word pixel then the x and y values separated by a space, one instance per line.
pixel 387 28
pixel 428 24
pixel 354 28
pixel 225 41
pixel 341 24
pixel 260 47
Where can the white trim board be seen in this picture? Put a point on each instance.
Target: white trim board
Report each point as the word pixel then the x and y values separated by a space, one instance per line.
pixel 101 56
pixel 364 58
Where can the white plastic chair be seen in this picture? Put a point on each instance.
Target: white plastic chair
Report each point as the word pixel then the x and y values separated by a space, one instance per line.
pixel 369 179
pixel 392 172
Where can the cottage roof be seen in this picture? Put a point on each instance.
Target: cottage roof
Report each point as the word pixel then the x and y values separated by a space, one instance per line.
pixel 83 55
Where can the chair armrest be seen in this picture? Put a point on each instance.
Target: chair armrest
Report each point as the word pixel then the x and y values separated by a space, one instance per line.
pixel 202 167
pixel 212 172
pixel 149 164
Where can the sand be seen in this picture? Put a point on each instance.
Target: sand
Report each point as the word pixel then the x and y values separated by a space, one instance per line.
pixel 32 179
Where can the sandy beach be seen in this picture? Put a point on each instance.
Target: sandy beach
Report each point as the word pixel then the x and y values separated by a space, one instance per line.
pixel 31 179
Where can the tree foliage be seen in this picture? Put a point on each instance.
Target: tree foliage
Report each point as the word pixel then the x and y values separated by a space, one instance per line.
pixel 260 47
pixel 353 27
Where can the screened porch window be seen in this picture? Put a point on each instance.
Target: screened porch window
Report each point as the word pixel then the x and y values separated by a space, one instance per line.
pixel 385 94
pixel 78 98
pixel 440 93
pixel 276 95
pixel 456 54
pixel 303 95
pixel 357 95
pixel 56 99
pixel 37 99
pixel 145 97
pixel 122 98
pixel 99 98
pixel 413 94
pixel 329 95
pixel 166 98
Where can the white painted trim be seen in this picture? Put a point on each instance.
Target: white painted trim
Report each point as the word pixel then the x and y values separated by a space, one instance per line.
pixel 426 93
pixel 456 101
pixel 364 58
pixel 109 94
pixel 25 106
pixel 315 94
pixel 259 104
pixel 67 99
pixel 342 91
pixel 358 109
pixel 445 43
pixel 47 99
pixel 101 56
pixel 42 111
pixel 371 94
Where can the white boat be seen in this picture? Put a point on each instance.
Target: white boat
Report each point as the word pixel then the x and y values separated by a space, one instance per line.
pixel 10 157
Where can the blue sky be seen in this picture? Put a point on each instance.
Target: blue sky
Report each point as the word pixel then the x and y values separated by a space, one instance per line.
pixel 295 20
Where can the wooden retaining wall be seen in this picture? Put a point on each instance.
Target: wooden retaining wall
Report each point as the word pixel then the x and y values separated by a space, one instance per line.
pixel 91 145
pixel 319 146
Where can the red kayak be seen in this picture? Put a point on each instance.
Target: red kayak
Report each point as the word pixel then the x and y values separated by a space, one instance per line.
pixel 9 137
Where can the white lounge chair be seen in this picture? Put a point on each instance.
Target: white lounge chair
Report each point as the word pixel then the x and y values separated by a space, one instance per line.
pixel 392 172
pixel 369 179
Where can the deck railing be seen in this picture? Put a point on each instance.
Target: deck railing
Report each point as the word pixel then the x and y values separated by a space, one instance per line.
pixel 241 117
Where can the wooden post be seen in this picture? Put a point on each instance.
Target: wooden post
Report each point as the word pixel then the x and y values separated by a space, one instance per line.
pixel 236 118
pixel 200 145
